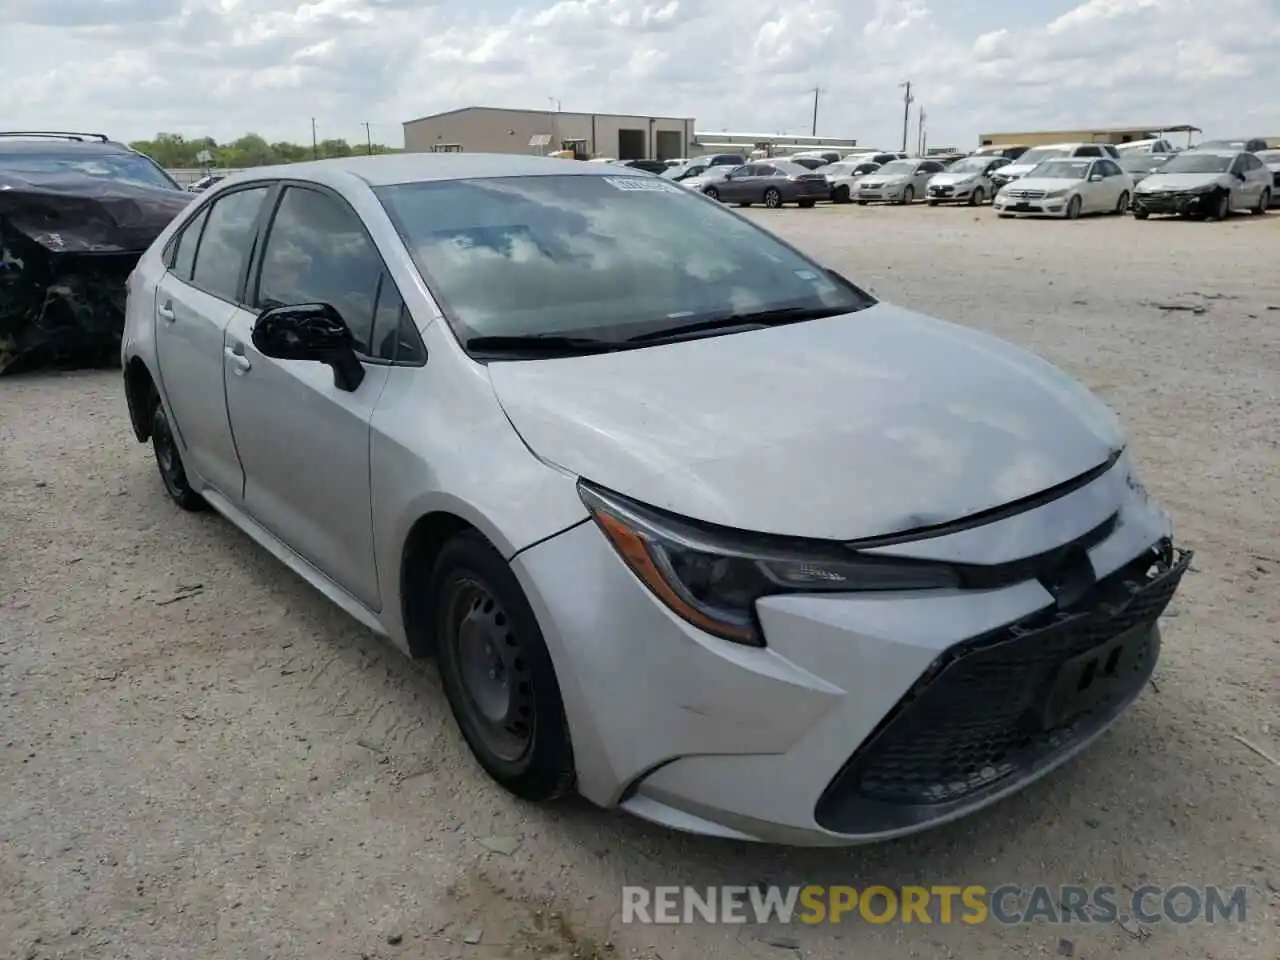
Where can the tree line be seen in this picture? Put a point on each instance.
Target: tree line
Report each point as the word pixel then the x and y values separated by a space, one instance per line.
pixel 174 151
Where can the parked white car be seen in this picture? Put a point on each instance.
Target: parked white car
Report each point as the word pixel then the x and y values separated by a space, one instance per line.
pixel 1025 163
pixel 1271 160
pixel 844 177
pixel 1206 183
pixel 898 181
pixel 967 180
pixel 1154 145
pixel 691 523
pixel 1067 188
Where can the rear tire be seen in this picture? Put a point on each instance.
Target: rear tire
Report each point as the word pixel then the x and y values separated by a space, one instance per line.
pixel 169 461
pixel 1221 207
pixel 908 196
pixel 497 673
pixel 840 195
pixel 977 198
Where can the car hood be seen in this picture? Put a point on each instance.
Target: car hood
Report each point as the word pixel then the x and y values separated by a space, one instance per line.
pixel 1048 184
pixel 72 213
pixel 871 423
pixel 1180 181
pixel 1015 169
pixel 951 179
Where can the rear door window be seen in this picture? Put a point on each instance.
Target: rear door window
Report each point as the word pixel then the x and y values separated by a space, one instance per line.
pixel 184 254
pixel 226 242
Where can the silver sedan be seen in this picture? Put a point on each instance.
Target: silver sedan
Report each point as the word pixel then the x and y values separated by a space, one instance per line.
pixel 692 525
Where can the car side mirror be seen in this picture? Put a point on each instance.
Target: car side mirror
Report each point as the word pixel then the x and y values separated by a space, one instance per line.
pixel 314 332
pixel 1240 175
pixel 1096 178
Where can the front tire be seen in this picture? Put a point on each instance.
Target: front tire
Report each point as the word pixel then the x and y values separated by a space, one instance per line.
pixel 1264 204
pixel 1122 204
pixel 805 204
pixel 977 197
pixel 1073 208
pixel 772 198
pixel 908 196
pixel 169 461
pixel 840 195
pixel 1140 214
pixel 712 192
pixel 1221 207
pixel 497 673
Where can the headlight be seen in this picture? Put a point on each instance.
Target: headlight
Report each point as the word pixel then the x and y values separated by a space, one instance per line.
pixel 712 576
pixel 1056 194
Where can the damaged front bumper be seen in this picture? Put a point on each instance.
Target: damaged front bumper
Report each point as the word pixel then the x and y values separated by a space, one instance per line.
pixel 1188 204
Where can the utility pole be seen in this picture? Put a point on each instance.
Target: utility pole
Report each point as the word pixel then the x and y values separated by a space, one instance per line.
pixel 368 138
pixel 920 133
pixel 906 112
pixel 315 150
pixel 816 91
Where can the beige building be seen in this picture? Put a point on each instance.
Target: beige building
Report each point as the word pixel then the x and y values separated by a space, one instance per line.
pixel 537 132
pixel 1101 135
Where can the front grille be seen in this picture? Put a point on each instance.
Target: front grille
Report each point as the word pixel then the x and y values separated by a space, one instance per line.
pixel 976 718
pixel 1021 195
pixel 940 191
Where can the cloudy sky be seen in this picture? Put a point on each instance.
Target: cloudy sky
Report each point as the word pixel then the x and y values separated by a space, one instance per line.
pixel 220 68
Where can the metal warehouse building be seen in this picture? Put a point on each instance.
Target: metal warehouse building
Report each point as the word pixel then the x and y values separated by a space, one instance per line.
pixel 1114 135
pixel 496 130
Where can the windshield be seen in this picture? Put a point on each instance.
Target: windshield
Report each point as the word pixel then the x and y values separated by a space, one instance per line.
pixel 608 257
pixel 119 167
pixel 1142 162
pixel 1032 157
pixel 845 168
pixel 1060 170
pixel 1197 163
pixel 971 165
pixel 899 166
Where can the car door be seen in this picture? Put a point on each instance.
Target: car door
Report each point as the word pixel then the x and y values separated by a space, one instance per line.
pixel 1114 183
pixel 1240 186
pixel 195 301
pixel 1257 179
pixel 737 183
pixel 1092 192
pixel 303 442
pixel 924 173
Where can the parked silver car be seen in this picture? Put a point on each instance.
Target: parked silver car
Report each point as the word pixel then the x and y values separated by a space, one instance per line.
pixel 708 181
pixel 1271 158
pixel 967 180
pixel 898 181
pixel 1206 183
pixel 691 523
pixel 773 183
pixel 844 175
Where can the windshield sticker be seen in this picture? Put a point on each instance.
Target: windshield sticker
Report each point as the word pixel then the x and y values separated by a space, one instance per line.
pixel 642 184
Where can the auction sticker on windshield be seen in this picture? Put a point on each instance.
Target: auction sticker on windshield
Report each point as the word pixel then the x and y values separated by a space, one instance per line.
pixel 642 184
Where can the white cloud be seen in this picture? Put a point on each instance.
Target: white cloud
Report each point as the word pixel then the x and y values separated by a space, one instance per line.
pixel 225 67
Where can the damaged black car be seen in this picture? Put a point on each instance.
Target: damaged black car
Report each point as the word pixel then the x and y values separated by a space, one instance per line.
pixel 76 212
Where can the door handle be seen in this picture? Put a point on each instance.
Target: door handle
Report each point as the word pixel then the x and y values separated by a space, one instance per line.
pixel 241 362
pixel 165 310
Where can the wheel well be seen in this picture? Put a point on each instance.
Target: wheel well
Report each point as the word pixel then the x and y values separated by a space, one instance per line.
pixel 426 538
pixel 141 395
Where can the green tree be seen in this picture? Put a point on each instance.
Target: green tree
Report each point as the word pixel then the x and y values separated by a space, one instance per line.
pixel 174 151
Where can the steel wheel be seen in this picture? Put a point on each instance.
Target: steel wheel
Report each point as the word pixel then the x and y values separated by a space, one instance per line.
pixel 169 461
pixel 496 670
pixel 495 676
pixel 1264 204
pixel 772 198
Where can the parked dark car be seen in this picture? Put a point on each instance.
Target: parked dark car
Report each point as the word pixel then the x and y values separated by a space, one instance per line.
pixel 77 210
pixel 773 183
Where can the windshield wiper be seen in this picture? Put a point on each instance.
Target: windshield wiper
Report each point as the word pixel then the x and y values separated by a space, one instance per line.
pixel 541 343
pixel 759 318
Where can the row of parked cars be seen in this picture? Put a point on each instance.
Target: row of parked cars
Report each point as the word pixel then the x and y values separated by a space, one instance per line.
pixel 1211 180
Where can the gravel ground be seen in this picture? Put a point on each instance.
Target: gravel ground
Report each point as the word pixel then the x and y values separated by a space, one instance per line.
pixel 202 759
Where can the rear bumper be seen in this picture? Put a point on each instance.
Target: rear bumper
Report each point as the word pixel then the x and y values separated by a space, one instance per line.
pixel 867 716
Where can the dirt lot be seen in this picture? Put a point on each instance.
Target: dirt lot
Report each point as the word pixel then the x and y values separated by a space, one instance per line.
pixel 200 758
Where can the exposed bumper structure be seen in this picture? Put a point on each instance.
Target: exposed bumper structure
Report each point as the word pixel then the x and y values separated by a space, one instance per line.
pixel 867 716
pixel 1190 204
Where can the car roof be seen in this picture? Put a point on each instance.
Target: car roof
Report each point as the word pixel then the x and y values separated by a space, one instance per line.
pixel 60 147
pixel 390 169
